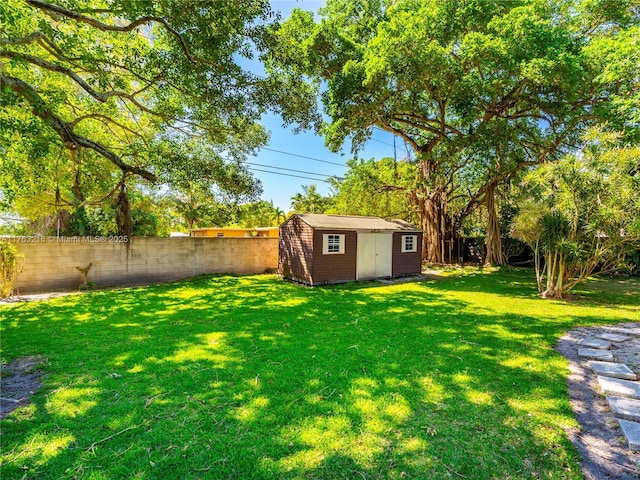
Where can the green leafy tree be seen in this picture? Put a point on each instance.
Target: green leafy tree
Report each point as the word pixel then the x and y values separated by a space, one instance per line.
pixel 258 214
pixel 101 98
pixel 447 76
pixel 581 216
pixel 277 215
pixel 607 33
pixel 196 208
pixel 310 200
pixel 10 266
pixel 375 188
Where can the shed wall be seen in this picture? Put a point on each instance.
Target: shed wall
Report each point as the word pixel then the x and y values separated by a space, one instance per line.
pixel 407 263
pixel 334 268
pixel 295 251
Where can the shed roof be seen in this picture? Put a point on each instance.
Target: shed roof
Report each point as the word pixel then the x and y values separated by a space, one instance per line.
pixel 349 222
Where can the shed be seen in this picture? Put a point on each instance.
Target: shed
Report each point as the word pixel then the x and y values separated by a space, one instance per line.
pixel 320 249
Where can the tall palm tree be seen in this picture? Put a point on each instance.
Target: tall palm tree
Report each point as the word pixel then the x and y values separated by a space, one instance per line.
pixel 309 201
pixel 278 216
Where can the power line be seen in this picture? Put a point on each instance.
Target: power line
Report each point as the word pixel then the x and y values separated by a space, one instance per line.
pixel 289 175
pixel 302 156
pixel 380 141
pixel 289 169
pixel 406 146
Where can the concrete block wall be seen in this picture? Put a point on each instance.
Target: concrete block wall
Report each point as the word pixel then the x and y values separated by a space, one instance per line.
pixel 50 264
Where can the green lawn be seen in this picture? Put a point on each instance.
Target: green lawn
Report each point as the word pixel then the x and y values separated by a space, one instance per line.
pixel 251 377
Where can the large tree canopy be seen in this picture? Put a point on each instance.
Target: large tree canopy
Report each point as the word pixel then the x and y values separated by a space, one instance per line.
pixel 96 94
pixel 511 81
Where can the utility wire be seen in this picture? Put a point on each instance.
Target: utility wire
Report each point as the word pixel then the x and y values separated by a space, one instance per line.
pixel 289 175
pixel 406 146
pixel 244 162
pixel 380 141
pixel 302 156
pixel 288 169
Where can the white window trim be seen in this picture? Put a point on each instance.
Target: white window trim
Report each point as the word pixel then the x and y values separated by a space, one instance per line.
pixel 325 243
pixel 404 244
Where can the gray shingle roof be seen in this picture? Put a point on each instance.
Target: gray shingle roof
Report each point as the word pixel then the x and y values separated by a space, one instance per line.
pixel 348 222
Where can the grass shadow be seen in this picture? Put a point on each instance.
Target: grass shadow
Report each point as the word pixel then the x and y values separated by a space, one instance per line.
pixel 250 377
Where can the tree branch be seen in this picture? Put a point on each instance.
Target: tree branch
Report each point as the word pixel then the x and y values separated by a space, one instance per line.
pixel 43 40
pixel 422 120
pixel 105 120
pixel 402 134
pixel 57 52
pixel 22 40
pixel 101 97
pixel 418 126
pixel 123 28
pixel 64 130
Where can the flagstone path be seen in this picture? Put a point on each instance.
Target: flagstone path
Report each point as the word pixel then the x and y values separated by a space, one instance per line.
pixel 604 389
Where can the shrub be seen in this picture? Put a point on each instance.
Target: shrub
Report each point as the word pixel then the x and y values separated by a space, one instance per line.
pixel 10 261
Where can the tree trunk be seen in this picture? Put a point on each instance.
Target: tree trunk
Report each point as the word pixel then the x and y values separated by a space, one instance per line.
pixel 432 215
pixel 124 221
pixel 430 200
pixel 76 189
pixel 556 276
pixel 495 255
pixel 540 269
pixel 555 293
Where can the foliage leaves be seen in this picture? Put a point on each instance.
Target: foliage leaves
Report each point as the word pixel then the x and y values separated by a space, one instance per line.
pixel 480 90
pixel 144 90
pixel 581 215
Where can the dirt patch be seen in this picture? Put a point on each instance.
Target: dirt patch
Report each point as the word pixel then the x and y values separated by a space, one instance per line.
pixel 19 380
pixel 600 441
pixel 35 297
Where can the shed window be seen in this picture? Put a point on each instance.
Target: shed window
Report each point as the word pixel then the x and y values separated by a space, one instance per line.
pixel 220 234
pixel 409 243
pixel 333 244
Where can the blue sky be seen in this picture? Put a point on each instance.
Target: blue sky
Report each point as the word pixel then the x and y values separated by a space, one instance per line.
pixel 280 188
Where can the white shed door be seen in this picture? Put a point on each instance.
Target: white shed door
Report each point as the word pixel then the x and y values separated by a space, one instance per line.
pixel 374 255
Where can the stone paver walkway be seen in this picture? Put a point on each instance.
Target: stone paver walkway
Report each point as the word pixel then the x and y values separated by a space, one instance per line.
pixel 595 354
pixel 610 369
pixel 619 383
pixel 605 396
pixel 625 408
